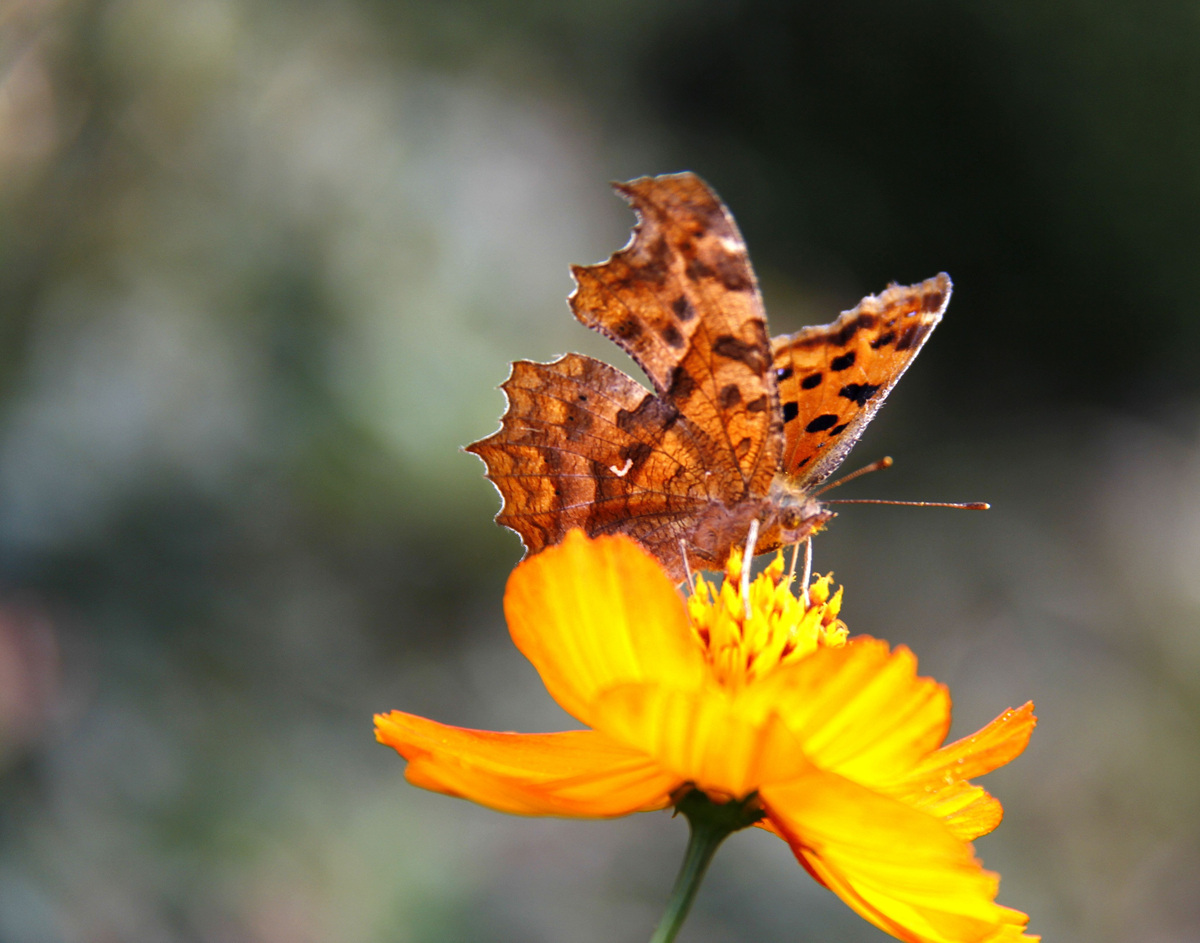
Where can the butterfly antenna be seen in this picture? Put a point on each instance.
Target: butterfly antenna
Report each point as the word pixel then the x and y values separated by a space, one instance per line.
pixel 687 569
pixel 962 506
pixel 751 540
pixel 885 462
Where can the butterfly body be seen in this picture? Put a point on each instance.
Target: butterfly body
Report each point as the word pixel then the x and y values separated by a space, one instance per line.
pixel 737 427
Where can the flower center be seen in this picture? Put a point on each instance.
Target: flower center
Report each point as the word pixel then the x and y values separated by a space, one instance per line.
pixel 780 627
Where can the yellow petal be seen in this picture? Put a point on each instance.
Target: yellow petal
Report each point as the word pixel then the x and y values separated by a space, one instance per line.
pixel 859 710
pixel 900 868
pixel 700 738
pixel 972 819
pixel 577 773
pixel 591 614
pixel 967 810
pixel 993 746
pixel 937 784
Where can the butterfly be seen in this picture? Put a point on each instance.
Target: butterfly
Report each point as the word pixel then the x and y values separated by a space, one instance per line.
pixel 739 428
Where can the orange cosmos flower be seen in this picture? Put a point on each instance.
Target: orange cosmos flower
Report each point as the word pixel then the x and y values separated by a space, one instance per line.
pixel 834 744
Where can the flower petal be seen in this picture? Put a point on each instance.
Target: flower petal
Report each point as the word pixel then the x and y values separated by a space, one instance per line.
pixel 938 783
pixel 591 614
pixel 700 738
pixel 900 868
pixel 577 773
pixel 993 746
pixel 859 710
pixel 967 810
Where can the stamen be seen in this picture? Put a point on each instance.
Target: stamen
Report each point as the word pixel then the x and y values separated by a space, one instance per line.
pixel 771 625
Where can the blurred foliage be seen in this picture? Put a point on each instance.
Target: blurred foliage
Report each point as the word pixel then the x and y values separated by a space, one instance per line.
pixel 262 266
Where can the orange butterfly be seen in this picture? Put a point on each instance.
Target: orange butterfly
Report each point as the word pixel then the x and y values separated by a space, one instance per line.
pixel 739 428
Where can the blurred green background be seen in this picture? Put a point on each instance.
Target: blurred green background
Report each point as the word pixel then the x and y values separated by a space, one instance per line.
pixel 262 267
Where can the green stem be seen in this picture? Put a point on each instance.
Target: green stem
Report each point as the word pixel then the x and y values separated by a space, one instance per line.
pixel 702 845
pixel 709 825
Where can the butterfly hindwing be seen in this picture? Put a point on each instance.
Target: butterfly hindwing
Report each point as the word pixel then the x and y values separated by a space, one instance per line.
pixel 834 377
pixel 584 445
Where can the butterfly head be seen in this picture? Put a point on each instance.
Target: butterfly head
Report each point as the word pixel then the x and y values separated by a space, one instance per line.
pixel 793 514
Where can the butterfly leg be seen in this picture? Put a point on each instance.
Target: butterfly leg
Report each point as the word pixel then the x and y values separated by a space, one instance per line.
pixel 792 568
pixel 751 540
pixel 687 569
pixel 808 554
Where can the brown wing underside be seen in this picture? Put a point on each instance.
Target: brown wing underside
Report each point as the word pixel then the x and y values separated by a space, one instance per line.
pixel 834 377
pixel 583 445
pixel 683 301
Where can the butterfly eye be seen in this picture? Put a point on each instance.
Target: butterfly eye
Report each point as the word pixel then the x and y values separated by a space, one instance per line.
pixel 791 518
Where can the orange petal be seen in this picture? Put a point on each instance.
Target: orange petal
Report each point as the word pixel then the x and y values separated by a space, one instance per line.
pixel 700 738
pixel 937 784
pixel 977 817
pixel 859 710
pixel 591 614
pixel 900 868
pixel 967 810
pixel 993 746
pixel 577 773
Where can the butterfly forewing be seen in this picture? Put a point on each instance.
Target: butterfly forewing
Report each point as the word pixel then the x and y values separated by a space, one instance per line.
pixel 834 377
pixel 683 301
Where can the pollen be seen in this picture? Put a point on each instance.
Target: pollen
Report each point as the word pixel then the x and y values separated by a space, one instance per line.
pixel 780 627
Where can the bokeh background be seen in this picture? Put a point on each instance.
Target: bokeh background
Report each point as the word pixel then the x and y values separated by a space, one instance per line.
pixel 262 267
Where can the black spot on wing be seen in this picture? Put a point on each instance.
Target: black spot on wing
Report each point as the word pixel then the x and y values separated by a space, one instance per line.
pixel 852 327
pixel 913 335
pixel 683 309
pixel 670 334
pixel 883 340
pixel 790 411
pixel 657 266
pixel 783 373
pixel 821 423
pixel 734 349
pixel 729 396
pixel 843 362
pixel 652 412
pixel 636 454
pixel 682 385
pixel 757 405
pixel 734 273
pixel 812 380
pixel 838 430
pixel 627 329
pixel 859 392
